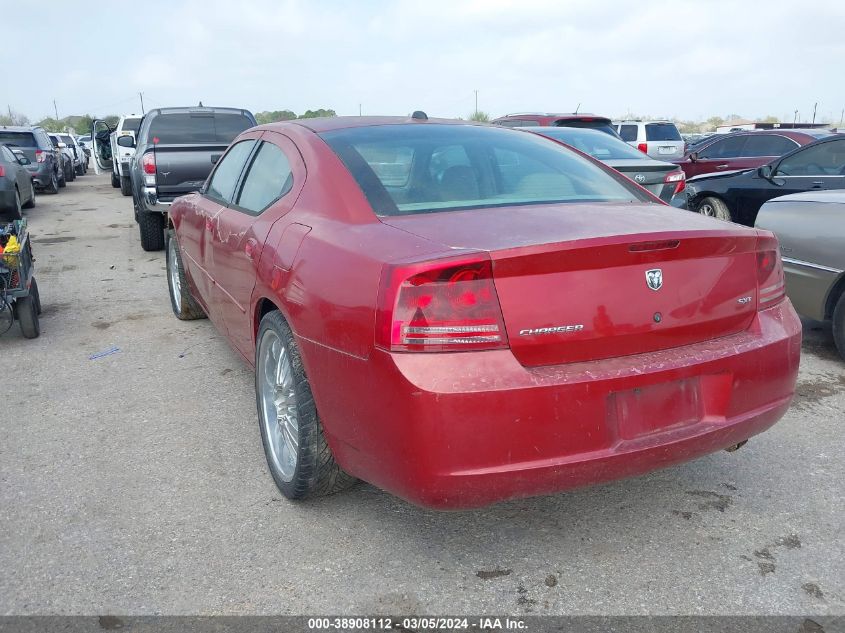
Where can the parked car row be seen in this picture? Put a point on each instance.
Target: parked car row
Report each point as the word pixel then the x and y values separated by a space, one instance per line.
pixel 34 160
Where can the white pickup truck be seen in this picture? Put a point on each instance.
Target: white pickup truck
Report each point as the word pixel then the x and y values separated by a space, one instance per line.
pixel 127 125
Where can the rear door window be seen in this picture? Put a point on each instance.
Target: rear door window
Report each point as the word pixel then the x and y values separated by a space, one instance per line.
pixel 197 128
pixel 825 159
pixel 268 178
pixel 17 139
pixel 628 133
pixel 131 125
pixel 768 145
pixel 662 132
pixel 222 184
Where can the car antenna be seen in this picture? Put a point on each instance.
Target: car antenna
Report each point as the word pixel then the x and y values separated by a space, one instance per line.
pixel 578 108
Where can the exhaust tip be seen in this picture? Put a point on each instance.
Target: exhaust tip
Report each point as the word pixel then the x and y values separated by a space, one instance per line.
pixel 736 447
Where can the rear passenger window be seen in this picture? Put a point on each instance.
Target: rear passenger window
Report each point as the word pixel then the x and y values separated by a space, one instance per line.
pixel 768 145
pixel 628 133
pixel 727 148
pixel 222 184
pixel 268 179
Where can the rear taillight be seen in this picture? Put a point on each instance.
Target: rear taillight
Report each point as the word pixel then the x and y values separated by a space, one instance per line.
pixel 2 171
pixel 441 306
pixel 679 178
pixel 643 147
pixel 40 156
pixel 148 163
pixel 771 287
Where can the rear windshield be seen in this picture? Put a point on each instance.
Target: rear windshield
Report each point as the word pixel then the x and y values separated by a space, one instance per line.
pixel 662 132
pixel 598 124
pixel 17 139
pixel 197 128
pixel 592 142
pixel 409 169
pixel 131 125
pixel 66 139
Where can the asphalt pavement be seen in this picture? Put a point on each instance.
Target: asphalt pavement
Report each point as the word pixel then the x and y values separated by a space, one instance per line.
pixel 135 483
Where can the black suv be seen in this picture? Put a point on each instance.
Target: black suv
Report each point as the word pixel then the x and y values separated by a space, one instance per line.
pixel 44 159
pixel 175 151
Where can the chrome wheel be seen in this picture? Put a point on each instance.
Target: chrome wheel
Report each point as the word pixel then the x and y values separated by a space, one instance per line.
pixel 173 273
pixel 278 406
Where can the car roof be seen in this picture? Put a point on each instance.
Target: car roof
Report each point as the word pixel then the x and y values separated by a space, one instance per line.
pixel 18 128
pixel 327 124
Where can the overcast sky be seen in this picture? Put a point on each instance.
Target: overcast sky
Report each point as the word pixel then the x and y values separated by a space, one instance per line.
pixel 657 57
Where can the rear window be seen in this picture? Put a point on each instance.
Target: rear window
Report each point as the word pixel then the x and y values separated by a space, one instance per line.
pixel 592 142
pixel 131 125
pixel 662 132
pixel 192 128
pixel 17 139
pixel 628 133
pixel 410 169
pixel 596 124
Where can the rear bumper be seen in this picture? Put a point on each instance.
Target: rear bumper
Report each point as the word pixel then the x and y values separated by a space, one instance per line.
pixel 469 429
pixel 152 201
pixel 41 175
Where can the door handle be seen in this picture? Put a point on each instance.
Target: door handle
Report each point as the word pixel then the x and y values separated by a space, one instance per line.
pixel 725 166
pixel 817 184
pixel 249 248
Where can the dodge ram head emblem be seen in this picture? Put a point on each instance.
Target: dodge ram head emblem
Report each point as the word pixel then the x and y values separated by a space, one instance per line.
pixel 639 178
pixel 654 278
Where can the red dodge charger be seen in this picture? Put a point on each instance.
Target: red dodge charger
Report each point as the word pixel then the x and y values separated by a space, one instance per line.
pixel 462 314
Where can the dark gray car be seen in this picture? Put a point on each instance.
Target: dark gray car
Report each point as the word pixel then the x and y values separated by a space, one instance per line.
pixel 175 151
pixel 44 166
pixel 811 229
pixel 663 179
pixel 16 189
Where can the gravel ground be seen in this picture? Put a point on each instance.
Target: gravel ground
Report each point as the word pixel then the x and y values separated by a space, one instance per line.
pixel 136 484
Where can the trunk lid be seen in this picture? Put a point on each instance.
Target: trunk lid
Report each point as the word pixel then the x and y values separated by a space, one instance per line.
pixel 574 281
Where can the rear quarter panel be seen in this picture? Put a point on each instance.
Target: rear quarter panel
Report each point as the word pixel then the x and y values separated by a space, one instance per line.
pixel 812 244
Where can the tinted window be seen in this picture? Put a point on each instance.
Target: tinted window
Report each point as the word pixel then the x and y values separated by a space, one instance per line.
pixel 768 145
pixel 7 154
pixel 825 159
pixel 194 128
pixel 131 125
pixel 493 168
pixel 604 126
pixel 268 179
pixel 516 123
pixel 662 132
pixel 66 139
pixel 225 176
pixel 628 133
pixel 592 142
pixel 17 139
pixel 730 147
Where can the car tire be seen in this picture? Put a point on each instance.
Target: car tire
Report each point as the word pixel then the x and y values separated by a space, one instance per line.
pixel 182 302
pixel 839 325
pixel 53 187
pixel 714 208
pixel 79 170
pixel 70 173
pixel 29 204
pixel 125 186
pixel 62 181
pixel 115 180
pixel 33 290
pixel 300 461
pixel 27 313
pixel 151 227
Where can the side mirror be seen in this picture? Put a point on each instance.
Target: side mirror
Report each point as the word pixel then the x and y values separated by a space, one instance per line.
pixel 126 141
pixel 693 156
pixel 215 158
pixel 765 172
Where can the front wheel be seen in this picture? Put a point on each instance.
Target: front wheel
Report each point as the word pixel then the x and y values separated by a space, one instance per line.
pixel 27 309
pixel 300 460
pixel 183 304
pixel 839 325
pixel 115 180
pixel 714 208
pixel 151 227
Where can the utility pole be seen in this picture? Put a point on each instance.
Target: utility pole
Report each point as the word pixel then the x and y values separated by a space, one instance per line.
pixel 141 95
pixel 814 111
pixel 795 118
pixel 359 109
pixel 55 110
pixel 476 101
